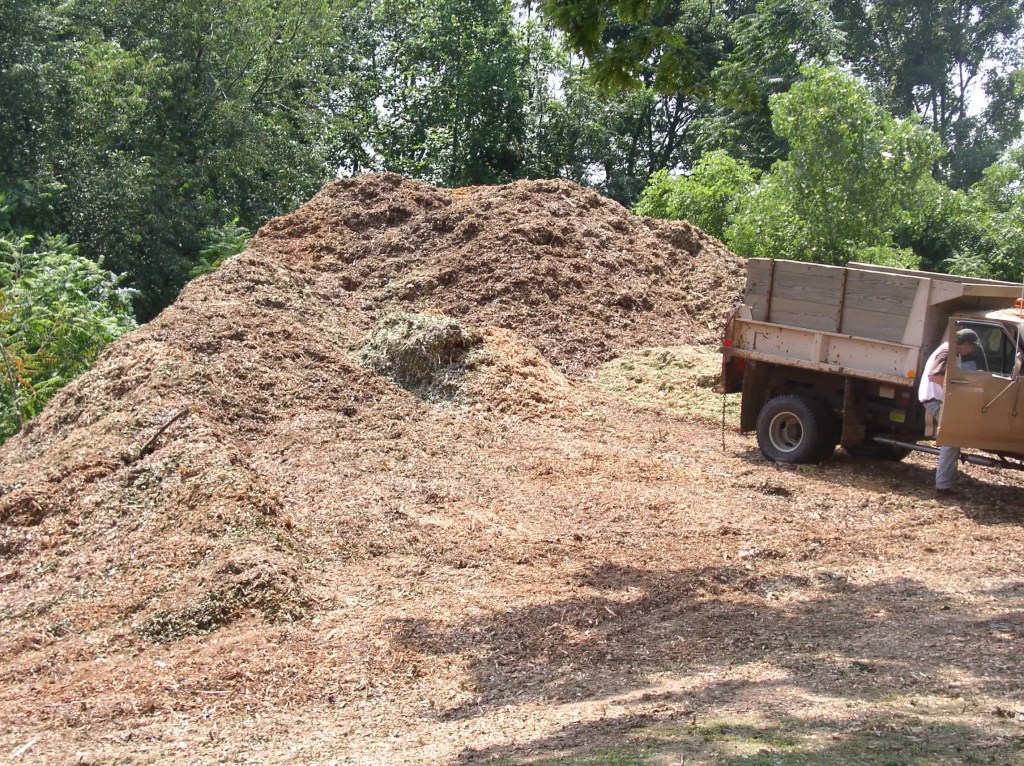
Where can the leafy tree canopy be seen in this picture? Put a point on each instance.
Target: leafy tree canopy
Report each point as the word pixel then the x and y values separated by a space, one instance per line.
pixel 452 90
pixel 162 119
pixel 932 58
pixel 985 225
pixel 709 197
pixel 850 179
pixel 671 45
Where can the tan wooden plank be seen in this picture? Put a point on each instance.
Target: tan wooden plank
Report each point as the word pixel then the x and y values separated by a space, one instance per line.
pixel 883 281
pixel 758 307
pixel 799 269
pixel 758 271
pixel 876 304
pixel 888 293
pixel 796 313
pixel 872 324
pixel 768 327
pixel 757 283
pixel 825 367
pixel 798 278
pixel 932 275
pixel 893 307
pixel 813 288
pixel 758 268
pixel 813 284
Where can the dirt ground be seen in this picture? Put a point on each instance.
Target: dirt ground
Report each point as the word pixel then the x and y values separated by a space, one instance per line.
pixel 231 542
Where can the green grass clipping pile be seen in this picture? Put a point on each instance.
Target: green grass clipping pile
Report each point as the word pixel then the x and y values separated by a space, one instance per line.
pixel 423 353
pixel 680 380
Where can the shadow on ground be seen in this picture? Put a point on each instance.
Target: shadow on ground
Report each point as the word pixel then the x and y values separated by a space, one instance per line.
pixel 890 741
pixel 981 497
pixel 819 634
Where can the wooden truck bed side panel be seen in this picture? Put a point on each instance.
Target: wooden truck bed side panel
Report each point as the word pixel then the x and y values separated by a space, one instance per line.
pixel 833 299
pixel 883 306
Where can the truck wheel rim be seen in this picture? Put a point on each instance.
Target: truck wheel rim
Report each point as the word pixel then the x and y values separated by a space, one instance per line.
pixel 786 432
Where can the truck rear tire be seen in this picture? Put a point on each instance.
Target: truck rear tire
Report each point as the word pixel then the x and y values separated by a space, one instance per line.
pixel 795 429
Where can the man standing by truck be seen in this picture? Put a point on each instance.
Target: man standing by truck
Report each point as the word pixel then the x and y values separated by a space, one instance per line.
pixel 931 392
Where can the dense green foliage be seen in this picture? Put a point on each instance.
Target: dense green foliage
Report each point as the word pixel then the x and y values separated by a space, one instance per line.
pixel 848 183
pixel 985 226
pixel 863 167
pixel 219 244
pixel 445 64
pixel 160 120
pixel 709 197
pixel 57 312
pixel 147 126
pixel 928 57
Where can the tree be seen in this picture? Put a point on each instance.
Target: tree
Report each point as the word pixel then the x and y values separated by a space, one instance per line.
pixel 219 244
pixel 672 46
pixel 928 57
pixel 33 82
pixel 716 63
pixel 629 135
pixel 451 90
pixel 352 89
pixel 849 182
pixel 709 197
pixel 987 223
pixel 768 47
pixel 181 116
pixel 933 58
pixel 612 139
pixel 27 57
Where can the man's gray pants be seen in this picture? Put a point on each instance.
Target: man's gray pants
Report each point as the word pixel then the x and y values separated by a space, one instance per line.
pixel 945 474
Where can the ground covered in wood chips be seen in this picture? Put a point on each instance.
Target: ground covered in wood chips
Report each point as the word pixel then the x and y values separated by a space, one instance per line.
pixel 238 540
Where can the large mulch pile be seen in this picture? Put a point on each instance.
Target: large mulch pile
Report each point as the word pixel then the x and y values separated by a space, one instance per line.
pixel 574 274
pixel 234 541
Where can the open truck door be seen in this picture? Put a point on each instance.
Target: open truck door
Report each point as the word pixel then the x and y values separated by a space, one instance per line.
pixel 984 404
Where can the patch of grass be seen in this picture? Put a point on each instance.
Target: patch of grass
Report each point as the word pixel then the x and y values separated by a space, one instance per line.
pixel 629 755
pixel 777 737
pixel 894 741
pixel 679 379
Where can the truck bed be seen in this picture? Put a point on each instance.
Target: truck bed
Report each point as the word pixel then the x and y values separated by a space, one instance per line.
pixel 862 300
pixel 866 321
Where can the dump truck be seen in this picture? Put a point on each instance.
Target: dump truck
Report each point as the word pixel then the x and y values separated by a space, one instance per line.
pixel 825 356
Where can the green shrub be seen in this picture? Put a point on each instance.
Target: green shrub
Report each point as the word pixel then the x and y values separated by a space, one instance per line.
pixel 219 244
pixel 57 312
pixel 708 197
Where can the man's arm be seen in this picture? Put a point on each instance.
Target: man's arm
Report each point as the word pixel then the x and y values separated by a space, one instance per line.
pixel 937 371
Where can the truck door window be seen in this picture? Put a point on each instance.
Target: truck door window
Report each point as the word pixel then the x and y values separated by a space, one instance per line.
pixel 995 352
